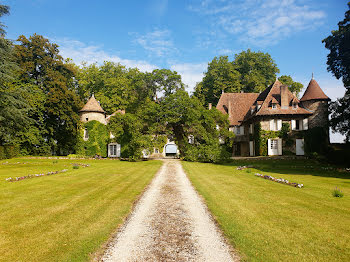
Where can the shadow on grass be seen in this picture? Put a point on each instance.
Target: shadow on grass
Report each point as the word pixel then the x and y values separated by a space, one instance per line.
pixel 292 166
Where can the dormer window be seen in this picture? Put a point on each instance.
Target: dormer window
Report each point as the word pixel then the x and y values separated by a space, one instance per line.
pixel 274 106
pixel 295 105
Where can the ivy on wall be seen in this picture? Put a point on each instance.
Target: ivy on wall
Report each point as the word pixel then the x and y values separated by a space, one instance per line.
pixel 261 137
pixel 159 142
pixel 97 141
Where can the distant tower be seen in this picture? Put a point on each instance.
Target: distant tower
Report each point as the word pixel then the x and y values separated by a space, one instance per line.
pixel 92 111
pixel 316 101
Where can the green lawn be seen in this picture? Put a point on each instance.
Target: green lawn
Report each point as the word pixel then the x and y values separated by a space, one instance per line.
pixel 67 216
pixel 268 221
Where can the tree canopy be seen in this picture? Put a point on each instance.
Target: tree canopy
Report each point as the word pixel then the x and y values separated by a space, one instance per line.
pixel 248 72
pixel 292 85
pixel 338 61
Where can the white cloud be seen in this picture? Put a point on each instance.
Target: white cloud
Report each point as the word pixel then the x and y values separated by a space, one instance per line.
pixel 190 73
pixel 79 52
pixel 260 22
pixel 157 43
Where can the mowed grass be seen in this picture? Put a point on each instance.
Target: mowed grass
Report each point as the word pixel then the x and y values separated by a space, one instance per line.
pixel 67 216
pixel 268 221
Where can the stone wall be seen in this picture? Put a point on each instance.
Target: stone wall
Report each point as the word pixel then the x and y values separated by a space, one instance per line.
pixel 320 113
pixel 89 116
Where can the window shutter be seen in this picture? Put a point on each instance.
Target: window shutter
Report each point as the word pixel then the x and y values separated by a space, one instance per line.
pixel 293 125
pixel 279 124
pixel 242 130
pixel 271 125
pixel 305 124
pixel 269 147
pixel 280 147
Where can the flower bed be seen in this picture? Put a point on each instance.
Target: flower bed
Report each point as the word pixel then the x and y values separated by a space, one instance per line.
pixel 279 180
pixel 244 167
pixel 14 179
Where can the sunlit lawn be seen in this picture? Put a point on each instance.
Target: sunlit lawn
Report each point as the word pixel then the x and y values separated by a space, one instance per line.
pixel 268 221
pixel 67 216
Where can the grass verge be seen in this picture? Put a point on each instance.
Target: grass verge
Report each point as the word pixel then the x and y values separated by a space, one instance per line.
pixel 67 216
pixel 268 221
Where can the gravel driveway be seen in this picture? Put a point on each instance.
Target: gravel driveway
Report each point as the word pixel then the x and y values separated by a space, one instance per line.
pixel 169 223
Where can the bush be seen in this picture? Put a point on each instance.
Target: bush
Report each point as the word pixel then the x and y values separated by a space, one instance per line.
pixel 337 193
pixel 9 151
pixel 75 167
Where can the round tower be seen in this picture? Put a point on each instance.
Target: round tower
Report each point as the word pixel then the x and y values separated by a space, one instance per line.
pixel 92 111
pixel 316 101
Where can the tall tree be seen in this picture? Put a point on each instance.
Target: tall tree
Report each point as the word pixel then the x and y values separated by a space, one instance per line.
pixel 42 66
pixel 338 61
pixel 221 76
pixel 13 107
pixel 292 85
pixel 257 69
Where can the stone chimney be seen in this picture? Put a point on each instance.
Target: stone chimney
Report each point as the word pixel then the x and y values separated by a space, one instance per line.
pixel 210 106
pixel 284 96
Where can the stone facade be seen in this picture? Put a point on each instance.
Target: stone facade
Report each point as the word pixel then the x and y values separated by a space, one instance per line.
pixel 89 116
pixel 319 118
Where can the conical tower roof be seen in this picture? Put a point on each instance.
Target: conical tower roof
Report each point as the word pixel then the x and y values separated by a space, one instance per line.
pixel 92 106
pixel 314 92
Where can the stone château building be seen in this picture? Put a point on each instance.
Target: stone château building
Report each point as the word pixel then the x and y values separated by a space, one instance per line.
pixel 92 110
pixel 266 113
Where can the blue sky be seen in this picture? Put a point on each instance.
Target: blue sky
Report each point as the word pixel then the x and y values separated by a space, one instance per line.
pixel 186 35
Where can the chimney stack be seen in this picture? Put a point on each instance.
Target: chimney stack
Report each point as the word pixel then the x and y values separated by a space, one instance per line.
pixel 210 106
pixel 284 96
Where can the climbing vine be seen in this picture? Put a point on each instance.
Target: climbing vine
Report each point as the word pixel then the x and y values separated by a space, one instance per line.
pixel 97 141
pixel 159 142
pixel 261 137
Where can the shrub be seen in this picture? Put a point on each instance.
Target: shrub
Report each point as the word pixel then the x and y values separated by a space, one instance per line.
pixel 9 151
pixel 75 167
pixel 337 193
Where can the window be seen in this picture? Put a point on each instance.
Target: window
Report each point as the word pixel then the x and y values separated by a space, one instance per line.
pixel 274 106
pixel 191 139
pixel 295 105
pixel 86 134
pixel 300 124
pixel 274 144
pixel 238 130
pixel 251 129
pixel 113 150
pixel 156 150
pixel 87 119
pixel 275 124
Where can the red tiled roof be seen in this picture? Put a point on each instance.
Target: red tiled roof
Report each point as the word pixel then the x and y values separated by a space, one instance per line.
pixel 274 92
pixel 238 104
pixel 314 92
pixel 92 106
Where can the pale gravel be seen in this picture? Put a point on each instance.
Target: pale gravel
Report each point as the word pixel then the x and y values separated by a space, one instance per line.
pixel 169 223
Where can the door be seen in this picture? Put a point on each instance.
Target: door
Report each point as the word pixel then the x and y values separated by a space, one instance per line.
pixel 114 150
pixel 170 150
pixel 251 148
pixel 299 147
pixel 272 147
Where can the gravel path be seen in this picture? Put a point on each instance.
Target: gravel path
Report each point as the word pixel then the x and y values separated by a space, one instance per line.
pixel 169 223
